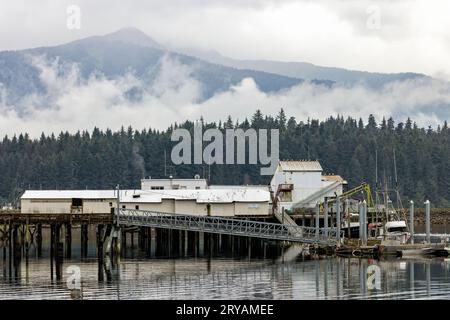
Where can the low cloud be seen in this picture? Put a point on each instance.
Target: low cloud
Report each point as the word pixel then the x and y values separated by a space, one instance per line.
pixel 73 103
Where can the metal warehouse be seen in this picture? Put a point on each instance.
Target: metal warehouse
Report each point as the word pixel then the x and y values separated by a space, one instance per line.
pixel 212 202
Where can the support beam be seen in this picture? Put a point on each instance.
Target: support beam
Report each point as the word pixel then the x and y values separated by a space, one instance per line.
pixel 68 240
pixel 428 221
pixel 39 239
pixel 317 219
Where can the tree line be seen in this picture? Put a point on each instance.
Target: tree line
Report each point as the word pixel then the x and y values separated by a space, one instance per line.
pixel 357 150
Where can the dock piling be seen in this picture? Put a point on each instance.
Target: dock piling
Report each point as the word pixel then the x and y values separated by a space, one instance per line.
pixel 411 220
pixel 338 220
pixel 68 240
pixel 427 220
pixel 364 223
pixel 39 240
pixel 325 218
pixel 317 219
pixel 360 218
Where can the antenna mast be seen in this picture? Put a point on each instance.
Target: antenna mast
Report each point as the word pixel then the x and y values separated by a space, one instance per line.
pixel 399 200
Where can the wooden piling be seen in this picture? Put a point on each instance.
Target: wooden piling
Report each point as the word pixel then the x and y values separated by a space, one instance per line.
pixel 39 239
pixel 68 240
pixel 100 243
pixel 52 248
pixel 132 239
pixel 84 240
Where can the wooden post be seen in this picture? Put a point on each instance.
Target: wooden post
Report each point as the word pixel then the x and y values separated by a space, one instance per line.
pixel 52 248
pixel 132 239
pixel 153 242
pixel 186 242
pixel 39 239
pixel 68 240
pixel 201 244
pixel 84 240
pixel 100 243
pixel 123 243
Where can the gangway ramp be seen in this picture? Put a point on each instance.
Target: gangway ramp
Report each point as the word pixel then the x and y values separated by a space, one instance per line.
pixel 228 226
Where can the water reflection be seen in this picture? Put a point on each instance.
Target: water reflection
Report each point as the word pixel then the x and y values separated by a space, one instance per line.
pixel 261 271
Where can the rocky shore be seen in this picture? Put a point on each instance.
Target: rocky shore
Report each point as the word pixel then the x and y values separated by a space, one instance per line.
pixel 438 216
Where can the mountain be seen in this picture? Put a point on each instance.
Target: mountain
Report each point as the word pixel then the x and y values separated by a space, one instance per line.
pixel 115 54
pixel 39 78
pixel 304 70
pixel 133 36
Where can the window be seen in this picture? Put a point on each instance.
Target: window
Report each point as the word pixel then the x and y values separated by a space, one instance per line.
pixel 76 202
pixel 286 196
pixel 197 188
pixel 124 206
pixel 110 204
pixel 157 188
pixel 137 207
pixel 397 229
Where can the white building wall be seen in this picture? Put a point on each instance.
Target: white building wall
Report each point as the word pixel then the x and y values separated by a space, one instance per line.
pixel 338 189
pixel 45 205
pixel 98 205
pixel 304 183
pixel 190 207
pixel 251 209
pixel 166 206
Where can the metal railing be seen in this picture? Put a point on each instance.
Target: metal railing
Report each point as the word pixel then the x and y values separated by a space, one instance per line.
pixel 238 227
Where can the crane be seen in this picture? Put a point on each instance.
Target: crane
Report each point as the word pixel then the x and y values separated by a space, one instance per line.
pixel 364 187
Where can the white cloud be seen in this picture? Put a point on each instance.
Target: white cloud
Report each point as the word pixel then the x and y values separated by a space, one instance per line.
pixel 413 35
pixel 77 104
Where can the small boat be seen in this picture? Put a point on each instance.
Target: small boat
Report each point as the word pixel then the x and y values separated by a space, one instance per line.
pixel 396 230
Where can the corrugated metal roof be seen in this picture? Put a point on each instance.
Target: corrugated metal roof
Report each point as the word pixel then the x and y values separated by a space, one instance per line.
pixel 332 178
pixel 156 196
pixel 69 194
pixel 202 195
pixel 291 165
pixel 248 187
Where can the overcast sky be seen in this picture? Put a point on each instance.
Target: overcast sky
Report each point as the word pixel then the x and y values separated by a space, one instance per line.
pixel 384 36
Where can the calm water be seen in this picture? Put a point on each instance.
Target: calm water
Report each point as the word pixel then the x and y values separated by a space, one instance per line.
pixel 282 274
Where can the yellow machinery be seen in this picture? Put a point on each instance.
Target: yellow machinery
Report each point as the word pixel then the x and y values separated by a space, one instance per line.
pixel 364 187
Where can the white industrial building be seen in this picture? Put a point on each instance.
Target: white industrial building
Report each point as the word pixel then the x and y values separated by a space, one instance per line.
pixel 304 184
pixel 173 184
pixel 214 202
pixel 294 184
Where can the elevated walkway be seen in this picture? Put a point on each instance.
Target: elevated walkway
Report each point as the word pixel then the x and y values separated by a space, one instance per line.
pixel 237 227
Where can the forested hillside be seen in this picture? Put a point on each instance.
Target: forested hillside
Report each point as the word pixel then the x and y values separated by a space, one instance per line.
pixel 348 147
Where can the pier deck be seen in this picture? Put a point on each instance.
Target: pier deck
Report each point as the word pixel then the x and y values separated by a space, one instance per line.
pixel 49 218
